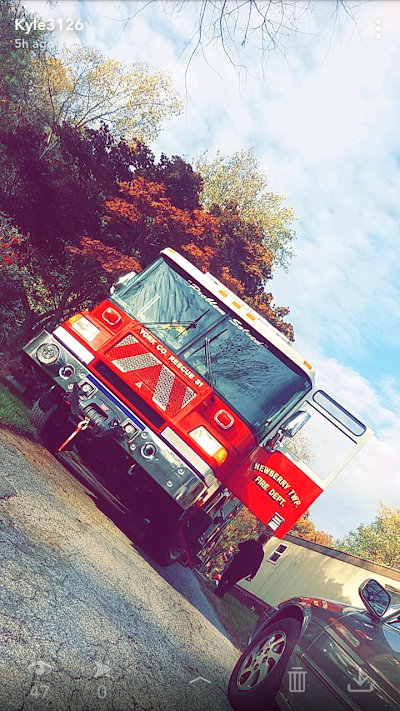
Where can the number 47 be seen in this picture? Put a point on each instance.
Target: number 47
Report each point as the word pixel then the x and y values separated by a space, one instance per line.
pixel 39 691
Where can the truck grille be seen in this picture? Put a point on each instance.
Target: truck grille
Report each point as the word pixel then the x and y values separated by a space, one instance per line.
pixel 169 392
pixel 129 394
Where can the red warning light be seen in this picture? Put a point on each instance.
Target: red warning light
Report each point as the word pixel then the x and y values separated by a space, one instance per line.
pixel 224 419
pixel 111 316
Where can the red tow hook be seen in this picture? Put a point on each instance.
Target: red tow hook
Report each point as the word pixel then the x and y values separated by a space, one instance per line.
pixel 82 425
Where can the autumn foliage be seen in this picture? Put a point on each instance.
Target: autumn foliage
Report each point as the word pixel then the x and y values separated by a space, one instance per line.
pixel 143 220
pixel 83 201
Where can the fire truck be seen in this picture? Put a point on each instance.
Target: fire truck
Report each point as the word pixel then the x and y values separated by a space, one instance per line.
pixel 181 404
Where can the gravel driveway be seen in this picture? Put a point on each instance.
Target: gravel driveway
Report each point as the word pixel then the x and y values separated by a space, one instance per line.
pixel 86 621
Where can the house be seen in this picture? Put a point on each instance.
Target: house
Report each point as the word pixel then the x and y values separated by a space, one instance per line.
pixel 295 567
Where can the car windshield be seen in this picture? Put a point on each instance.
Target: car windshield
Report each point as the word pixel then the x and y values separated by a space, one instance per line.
pixel 249 374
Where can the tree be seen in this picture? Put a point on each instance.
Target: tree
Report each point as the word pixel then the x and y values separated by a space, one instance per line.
pixel 142 220
pixel 240 180
pixel 182 184
pixel 379 540
pixel 305 528
pixel 43 87
pixel 21 97
pixel 38 290
pixel 83 88
pixel 59 196
pixel 256 25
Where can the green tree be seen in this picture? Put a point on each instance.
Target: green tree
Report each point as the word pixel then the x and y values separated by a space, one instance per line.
pixel 59 196
pixel 46 87
pixel 182 184
pixel 21 97
pixel 38 290
pixel 82 87
pixel 379 540
pixel 239 180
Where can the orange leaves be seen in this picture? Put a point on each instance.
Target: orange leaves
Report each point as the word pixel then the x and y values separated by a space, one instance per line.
pixel 110 259
pixel 201 257
pixel 142 218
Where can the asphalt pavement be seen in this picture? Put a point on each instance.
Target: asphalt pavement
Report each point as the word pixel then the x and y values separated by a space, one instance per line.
pixel 87 621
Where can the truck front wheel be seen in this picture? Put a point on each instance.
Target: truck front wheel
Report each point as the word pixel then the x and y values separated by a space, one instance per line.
pixel 51 422
pixel 163 543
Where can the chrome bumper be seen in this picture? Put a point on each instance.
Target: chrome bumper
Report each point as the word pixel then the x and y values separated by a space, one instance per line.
pixel 144 447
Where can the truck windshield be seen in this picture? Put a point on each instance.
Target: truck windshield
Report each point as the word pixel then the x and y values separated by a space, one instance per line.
pixel 250 375
pixel 174 308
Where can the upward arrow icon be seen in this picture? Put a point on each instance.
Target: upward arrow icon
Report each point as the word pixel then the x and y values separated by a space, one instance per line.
pixel 200 678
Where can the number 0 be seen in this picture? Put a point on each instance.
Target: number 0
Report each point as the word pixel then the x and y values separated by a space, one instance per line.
pixel 102 692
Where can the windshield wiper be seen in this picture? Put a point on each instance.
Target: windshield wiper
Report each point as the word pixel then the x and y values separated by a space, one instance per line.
pixel 206 345
pixel 186 325
pixel 208 361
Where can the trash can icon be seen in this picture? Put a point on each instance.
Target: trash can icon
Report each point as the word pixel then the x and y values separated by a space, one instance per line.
pixel 297 680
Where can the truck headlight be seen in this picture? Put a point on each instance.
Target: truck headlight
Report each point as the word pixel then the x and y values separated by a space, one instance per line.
pixel 85 328
pixel 50 354
pixel 209 444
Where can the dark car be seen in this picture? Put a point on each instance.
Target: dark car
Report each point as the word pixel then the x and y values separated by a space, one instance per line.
pixel 319 655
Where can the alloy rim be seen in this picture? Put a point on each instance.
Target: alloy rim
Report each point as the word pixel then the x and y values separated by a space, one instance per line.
pixel 261 660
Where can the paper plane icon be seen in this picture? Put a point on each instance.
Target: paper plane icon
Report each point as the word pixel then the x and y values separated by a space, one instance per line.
pixel 101 670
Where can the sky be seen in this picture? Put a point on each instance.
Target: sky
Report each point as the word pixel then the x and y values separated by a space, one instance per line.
pixel 321 114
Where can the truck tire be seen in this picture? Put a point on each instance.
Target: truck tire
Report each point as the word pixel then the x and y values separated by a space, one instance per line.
pixel 50 421
pixel 164 544
pixel 257 676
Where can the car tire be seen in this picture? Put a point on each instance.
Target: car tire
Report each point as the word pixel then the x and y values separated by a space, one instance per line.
pixel 257 676
pixel 50 421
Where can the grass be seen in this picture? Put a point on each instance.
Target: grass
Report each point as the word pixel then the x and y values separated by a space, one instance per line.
pixel 14 414
pixel 235 617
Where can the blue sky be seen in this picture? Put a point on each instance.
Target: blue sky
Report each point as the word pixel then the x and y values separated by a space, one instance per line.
pixel 323 121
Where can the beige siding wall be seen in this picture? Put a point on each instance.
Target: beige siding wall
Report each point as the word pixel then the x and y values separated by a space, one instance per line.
pixel 308 573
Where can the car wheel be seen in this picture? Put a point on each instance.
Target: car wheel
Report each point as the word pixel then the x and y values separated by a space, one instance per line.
pixel 50 421
pixel 258 674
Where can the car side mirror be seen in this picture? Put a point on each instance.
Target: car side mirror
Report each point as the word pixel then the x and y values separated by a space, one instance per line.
pixel 374 596
pixel 295 423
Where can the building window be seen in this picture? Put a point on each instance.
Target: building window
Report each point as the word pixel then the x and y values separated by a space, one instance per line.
pixel 278 552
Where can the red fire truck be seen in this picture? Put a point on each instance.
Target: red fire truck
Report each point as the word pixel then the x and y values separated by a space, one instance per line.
pixel 180 404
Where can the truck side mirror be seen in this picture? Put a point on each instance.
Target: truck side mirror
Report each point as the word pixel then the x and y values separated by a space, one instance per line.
pixel 121 282
pixel 295 423
pixel 374 596
pixel 289 429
